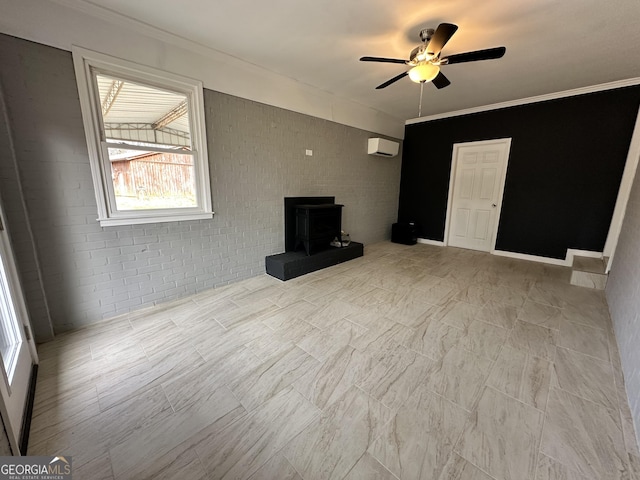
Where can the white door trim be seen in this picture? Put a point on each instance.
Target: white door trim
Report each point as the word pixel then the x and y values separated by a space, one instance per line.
pixel 452 176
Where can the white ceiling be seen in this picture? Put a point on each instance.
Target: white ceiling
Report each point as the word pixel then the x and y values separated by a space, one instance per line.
pixel 303 55
pixel 552 45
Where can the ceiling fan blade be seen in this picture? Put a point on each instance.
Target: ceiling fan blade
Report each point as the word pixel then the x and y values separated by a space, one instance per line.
pixel 488 54
pixel 442 35
pixel 441 81
pixel 393 80
pixel 383 60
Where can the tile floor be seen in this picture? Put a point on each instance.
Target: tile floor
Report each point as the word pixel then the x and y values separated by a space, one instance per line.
pixel 413 362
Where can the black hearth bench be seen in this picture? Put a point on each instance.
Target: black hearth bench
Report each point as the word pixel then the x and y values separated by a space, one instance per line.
pixel 286 266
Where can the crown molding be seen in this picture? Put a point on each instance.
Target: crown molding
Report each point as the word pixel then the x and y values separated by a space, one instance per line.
pixel 524 101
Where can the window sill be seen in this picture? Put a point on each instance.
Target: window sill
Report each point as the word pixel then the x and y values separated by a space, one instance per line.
pixel 111 222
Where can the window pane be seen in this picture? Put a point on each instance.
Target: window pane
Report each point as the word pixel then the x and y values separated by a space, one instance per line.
pixel 141 113
pixel 9 337
pixel 144 180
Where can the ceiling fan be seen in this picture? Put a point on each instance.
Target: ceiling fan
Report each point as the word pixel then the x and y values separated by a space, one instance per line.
pixel 425 59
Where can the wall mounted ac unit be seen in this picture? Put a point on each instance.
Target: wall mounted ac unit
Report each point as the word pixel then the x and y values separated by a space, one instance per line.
pixel 382 147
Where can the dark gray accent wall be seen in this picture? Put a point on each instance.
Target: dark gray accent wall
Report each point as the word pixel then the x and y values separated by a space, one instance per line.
pixel 566 161
pixel 256 158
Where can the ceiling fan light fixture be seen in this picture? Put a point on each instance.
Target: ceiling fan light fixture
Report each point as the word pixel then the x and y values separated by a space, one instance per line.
pixel 424 72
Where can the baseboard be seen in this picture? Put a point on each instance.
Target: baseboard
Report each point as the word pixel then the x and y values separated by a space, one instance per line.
pixel 571 252
pixel 28 411
pixel 531 258
pixel 426 241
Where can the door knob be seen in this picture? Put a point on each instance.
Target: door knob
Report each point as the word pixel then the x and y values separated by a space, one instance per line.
pixel 493 205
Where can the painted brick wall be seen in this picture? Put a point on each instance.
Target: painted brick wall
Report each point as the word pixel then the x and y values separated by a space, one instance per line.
pixel 20 232
pixel 257 157
pixel 623 295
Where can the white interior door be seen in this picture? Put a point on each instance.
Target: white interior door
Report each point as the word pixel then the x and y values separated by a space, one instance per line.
pixel 475 193
pixel 17 348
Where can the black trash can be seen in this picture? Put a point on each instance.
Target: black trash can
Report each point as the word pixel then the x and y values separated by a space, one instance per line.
pixel 405 233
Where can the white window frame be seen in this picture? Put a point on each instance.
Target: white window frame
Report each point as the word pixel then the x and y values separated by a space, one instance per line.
pixel 84 62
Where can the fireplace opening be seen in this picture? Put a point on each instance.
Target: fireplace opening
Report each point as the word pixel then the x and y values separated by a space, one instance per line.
pixel 290 209
pixel 317 226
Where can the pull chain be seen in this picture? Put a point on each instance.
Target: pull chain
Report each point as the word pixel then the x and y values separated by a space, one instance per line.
pixel 420 105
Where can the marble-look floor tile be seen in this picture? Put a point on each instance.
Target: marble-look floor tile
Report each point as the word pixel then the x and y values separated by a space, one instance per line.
pixel 278 467
pixel 147 394
pixel 162 339
pixel 550 469
pixel 83 439
pixel 634 466
pixel 412 311
pixel 93 437
pixel 199 384
pixel 243 447
pixel 541 314
pixel 588 340
pixel 508 296
pixel 326 315
pixel 628 428
pixel 160 437
pixel 330 447
pixel 498 314
pixel 419 439
pixel 475 295
pixel 129 384
pixel 283 318
pixel 438 294
pixel 215 295
pixel 266 290
pixel 248 312
pixel 327 382
pixel 382 337
pixel 585 376
pixel 597 317
pixel 268 345
pixel 433 338
pixel 425 282
pixel 272 376
pixel 391 281
pixel 377 297
pixel 459 376
pixel 458 314
pixel 202 322
pixel 522 376
pixel 584 436
pixel 514 429
pixel 368 468
pixel 51 415
pixel 546 295
pixel 538 341
pixel 322 344
pixel 484 339
pixel 457 468
pixel 394 378
pixel 216 345
pixel 97 469
pixel 177 464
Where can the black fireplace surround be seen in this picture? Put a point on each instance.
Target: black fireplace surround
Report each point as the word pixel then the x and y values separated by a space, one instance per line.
pixel 310 224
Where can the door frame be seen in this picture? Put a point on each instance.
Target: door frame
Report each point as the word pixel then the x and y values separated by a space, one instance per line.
pixel 452 176
pixel 26 333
